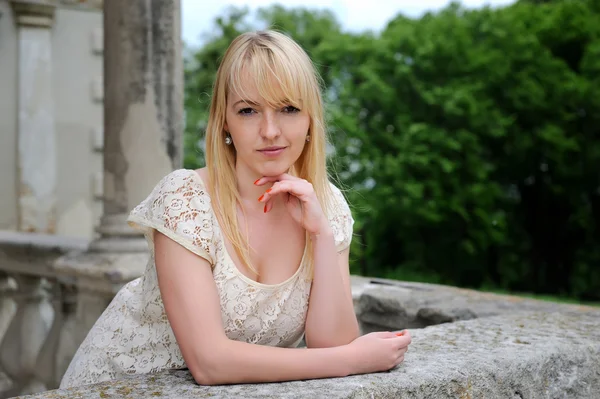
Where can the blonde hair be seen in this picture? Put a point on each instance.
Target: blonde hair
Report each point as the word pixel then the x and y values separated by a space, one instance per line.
pixel 267 56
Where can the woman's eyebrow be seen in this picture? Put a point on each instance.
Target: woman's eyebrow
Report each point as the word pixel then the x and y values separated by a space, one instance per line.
pixel 249 102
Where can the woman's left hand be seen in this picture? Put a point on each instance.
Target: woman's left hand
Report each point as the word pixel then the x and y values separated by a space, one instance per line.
pixel 300 200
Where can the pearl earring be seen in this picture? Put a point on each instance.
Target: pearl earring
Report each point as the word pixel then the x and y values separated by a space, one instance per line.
pixel 307 138
pixel 228 139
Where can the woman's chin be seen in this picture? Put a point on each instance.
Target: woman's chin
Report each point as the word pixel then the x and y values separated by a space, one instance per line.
pixel 274 169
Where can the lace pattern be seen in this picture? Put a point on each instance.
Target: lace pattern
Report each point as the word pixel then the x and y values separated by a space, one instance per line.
pixel 133 334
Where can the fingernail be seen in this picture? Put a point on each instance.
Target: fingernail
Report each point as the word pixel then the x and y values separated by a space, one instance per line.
pixel 265 209
pixel 257 180
pixel 400 334
pixel 261 197
pixel 269 190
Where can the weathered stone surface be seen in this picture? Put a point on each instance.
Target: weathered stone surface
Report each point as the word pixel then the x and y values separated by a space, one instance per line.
pixel 527 355
pixel 102 268
pixel 386 304
pixel 37 131
pixel 143 99
pixel 33 253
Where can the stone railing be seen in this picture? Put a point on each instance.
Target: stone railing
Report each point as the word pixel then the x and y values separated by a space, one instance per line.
pixel 466 345
pixel 37 312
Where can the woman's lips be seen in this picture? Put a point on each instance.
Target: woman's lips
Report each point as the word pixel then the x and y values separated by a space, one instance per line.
pixel 272 151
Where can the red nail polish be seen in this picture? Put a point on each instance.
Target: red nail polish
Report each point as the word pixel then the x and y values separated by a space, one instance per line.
pixel 257 180
pixel 260 198
pixel 265 209
pixel 400 334
pixel 269 190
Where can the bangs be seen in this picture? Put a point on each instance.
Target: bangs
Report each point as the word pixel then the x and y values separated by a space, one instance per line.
pixel 279 78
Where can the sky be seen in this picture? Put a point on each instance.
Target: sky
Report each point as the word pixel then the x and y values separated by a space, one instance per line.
pixel 354 15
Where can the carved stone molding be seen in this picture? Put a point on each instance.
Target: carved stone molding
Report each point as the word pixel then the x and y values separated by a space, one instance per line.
pixel 92 4
pixel 38 13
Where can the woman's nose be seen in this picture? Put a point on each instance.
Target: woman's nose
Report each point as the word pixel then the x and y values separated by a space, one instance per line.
pixel 270 126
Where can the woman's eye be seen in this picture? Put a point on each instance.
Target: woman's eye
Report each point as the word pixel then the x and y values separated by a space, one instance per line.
pixel 246 111
pixel 290 109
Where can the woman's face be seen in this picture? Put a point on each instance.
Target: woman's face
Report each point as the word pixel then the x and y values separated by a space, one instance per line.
pixel 267 140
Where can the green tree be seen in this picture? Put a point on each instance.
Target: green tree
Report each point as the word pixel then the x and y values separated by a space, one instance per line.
pixel 478 131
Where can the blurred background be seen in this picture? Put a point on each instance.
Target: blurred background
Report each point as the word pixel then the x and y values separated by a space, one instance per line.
pixel 466 137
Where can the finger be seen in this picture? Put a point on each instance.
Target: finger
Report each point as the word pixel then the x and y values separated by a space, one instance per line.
pixel 296 188
pixel 399 360
pixel 281 177
pixel 386 334
pixel 269 205
pixel 403 341
pixel 270 202
pixel 405 334
pixel 269 199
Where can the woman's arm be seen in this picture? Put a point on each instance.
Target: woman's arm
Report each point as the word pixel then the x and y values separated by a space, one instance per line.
pixel 331 320
pixel 192 305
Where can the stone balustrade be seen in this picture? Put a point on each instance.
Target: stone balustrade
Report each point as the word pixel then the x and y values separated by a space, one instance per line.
pixel 36 312
pixel 466 344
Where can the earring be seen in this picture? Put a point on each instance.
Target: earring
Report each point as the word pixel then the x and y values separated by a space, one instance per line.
pixel 307 138
pixel 228 139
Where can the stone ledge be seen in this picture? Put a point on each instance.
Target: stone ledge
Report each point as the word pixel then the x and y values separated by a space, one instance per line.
pixel 33 253
pixel 389 304
pixel 527 355
pixel 42 241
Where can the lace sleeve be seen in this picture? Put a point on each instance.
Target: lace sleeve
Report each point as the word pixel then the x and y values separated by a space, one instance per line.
pixel 341 220
pixel 179 208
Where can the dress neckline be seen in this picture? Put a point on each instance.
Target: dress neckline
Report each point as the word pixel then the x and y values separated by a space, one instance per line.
pixel 227 257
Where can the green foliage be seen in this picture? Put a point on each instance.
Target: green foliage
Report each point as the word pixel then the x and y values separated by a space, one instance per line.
pixel 468 138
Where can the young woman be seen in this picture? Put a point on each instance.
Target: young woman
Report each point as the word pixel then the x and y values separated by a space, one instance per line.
pixel 249 254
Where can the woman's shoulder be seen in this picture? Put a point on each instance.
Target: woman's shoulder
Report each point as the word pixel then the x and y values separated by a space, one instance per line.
pixel 339 206
pixel 181 180
pixel 179 207
pixel 177 188
pixel 340 218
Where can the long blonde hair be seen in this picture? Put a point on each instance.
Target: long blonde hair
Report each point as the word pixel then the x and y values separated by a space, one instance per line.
pixel 267 56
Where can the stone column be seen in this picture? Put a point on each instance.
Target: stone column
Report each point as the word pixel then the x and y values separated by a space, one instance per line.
pixel 143 124
pixel 143 103
pixel 37 136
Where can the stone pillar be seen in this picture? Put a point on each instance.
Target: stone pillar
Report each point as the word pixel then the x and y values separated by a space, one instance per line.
pixel 143 135
pixel 143 97
pixel 37 136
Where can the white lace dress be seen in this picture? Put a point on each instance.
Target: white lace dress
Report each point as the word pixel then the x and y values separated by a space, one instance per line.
pixel 133 335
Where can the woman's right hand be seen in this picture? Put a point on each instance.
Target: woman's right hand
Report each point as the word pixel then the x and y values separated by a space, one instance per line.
pixel 378 351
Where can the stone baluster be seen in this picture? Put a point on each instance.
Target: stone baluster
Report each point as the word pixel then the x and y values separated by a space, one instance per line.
pixel 47 371
pixel 25 335
pixel 7 304
pixel 67 341
pixel 7 312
